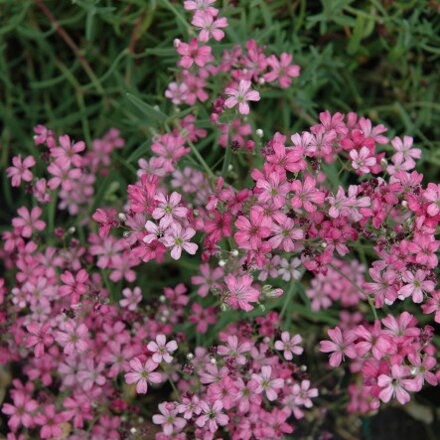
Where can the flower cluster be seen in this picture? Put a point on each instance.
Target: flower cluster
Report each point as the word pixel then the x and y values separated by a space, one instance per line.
pixel 91 325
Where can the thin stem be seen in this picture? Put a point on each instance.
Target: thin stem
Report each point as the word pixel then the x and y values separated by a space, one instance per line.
pixel 68 40
pixel 369 299
pixel 287 299
pixel 200 159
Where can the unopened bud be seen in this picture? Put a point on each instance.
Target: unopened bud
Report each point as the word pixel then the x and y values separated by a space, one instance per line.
pixel 213 361
pixel 176 42
pixel 162 298
pixel 261 81
pixel 71 230
pixel 259 132
pixel 383 162
pixel 222 263
pixel 122 217
pixel 190 356
pixel 404 203
pixel 234 253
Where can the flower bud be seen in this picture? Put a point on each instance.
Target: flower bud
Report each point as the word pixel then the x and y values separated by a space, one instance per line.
pixel 259 132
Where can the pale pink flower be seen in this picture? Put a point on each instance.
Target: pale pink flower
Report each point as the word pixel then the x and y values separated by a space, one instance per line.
pixel 142 374
pixel 416 285
pixel 178 238
pixel 168 419
pixel 132 297
pixel 73 338
pixel 168 208
pixel 200 6
pixel 362 160
pixel 397 384
pixel 289 345
pixel 162 349
pixel 405 151
pixel 234 349
pixel 266 384
pixel 209 26
pixel 241 96
pixel 212 415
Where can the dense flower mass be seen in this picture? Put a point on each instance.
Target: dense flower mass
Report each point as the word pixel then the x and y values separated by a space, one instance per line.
pixel 89 333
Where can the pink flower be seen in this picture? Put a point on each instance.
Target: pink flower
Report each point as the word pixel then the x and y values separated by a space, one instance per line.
pixel 401 328
pixel 68 151
pixel 285 233
pixel 202 317
pixel 397 384
pixel 303 393
pixel 306 194
pixel 106 219
pixel 253 230
pixel 405 151
pixel 432 196
pixel 162 349
pixel 193 53
pixel 168 209
pixel 131 298
pixel 282 70
pixel 362 160
pixel 209 26
pixel 178 238
pixel 207 279
pixel 234 349
pixel 212 415
pixel 21 412
pixel 200 6
pixel 425 247
pixel 20 170
pixel 341 344
pixel 289 345
pixel 63 174
pixel 240 292
pixel 142 374
pixel 73 338
pixel 273 189
pixel 241 96
pixel 266 384
pixel 373 340
pixel 433 305
pixel 75 285
pixel 51 422
pixel 39 337
pixel 168 419
pixel 28 221
pixel 417 285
